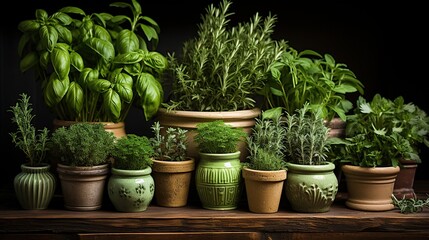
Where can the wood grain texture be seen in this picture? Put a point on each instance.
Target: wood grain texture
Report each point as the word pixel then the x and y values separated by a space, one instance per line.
pixel 195 222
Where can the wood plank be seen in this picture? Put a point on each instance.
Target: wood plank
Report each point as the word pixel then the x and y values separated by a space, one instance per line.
pixel 160 222
pixel 174 235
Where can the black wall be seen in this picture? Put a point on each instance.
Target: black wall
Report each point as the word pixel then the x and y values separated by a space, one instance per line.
pixel 384 45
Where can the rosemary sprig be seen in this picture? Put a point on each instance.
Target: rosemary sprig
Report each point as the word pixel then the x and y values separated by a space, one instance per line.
pixel 410 205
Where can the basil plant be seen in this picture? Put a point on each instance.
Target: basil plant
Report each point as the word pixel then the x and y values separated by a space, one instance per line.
pixel 94 67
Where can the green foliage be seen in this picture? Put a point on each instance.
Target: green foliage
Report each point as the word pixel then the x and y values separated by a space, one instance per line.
pixel 224 66
pixel 218 137
pixel 373 135
pixel 91 67
pixel 307 76
pixel 170 146
pixel 265 144
pixel 306 140
pixel 82 144
pixel 132 153
pixel 34 143
pixel 410 205
pixel 412 123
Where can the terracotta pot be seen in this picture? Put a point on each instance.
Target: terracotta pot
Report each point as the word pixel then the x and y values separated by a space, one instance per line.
pixel 189 119
pixel 370 188
pixel 263 189
pixel 405 180
pixel 172 181
pixel 337 127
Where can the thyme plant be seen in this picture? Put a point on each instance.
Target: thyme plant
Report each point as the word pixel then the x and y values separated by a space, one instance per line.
pixel 34 143
pixel 132 152
pixel 83 144
pixel 218 137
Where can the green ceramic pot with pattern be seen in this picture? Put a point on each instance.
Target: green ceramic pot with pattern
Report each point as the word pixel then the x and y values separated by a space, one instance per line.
pixel 218 180
pixel 131 190
pixel 311 188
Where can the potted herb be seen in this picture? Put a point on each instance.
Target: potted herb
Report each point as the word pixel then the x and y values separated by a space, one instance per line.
pixel 131 187
pixel 34 185
pixel 172 168
pixel 370 154
pixel 218 174
pixel 83 151
pixel 309 170
pixel 265 171
pixel 218 73
pixel 413 124
pixel 94 66
pixel 307 76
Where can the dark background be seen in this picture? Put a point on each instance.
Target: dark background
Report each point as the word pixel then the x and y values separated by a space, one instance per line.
pixel 385 45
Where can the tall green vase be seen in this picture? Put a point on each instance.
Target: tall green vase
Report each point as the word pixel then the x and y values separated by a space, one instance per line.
pixel 34 187
pixel 218 180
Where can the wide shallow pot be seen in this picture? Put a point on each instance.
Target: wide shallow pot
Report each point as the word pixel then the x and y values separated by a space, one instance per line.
pixel 311 188
pixel 370 188
pixel 218 180
pixel 172 181
pixel 189 119
pixel 131 190
pixel 34 187
pixel 83 187
pixel 264 189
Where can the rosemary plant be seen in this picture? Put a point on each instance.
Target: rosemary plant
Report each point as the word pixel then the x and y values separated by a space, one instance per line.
pixel 306 140
pixel 223 67
pixel 34 143
pixel 265 144
pixel 171 146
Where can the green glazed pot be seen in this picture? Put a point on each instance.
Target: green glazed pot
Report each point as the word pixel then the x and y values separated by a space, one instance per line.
pixel 218 180
pixel 311 188
pixel 34 187
pixel 131 190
